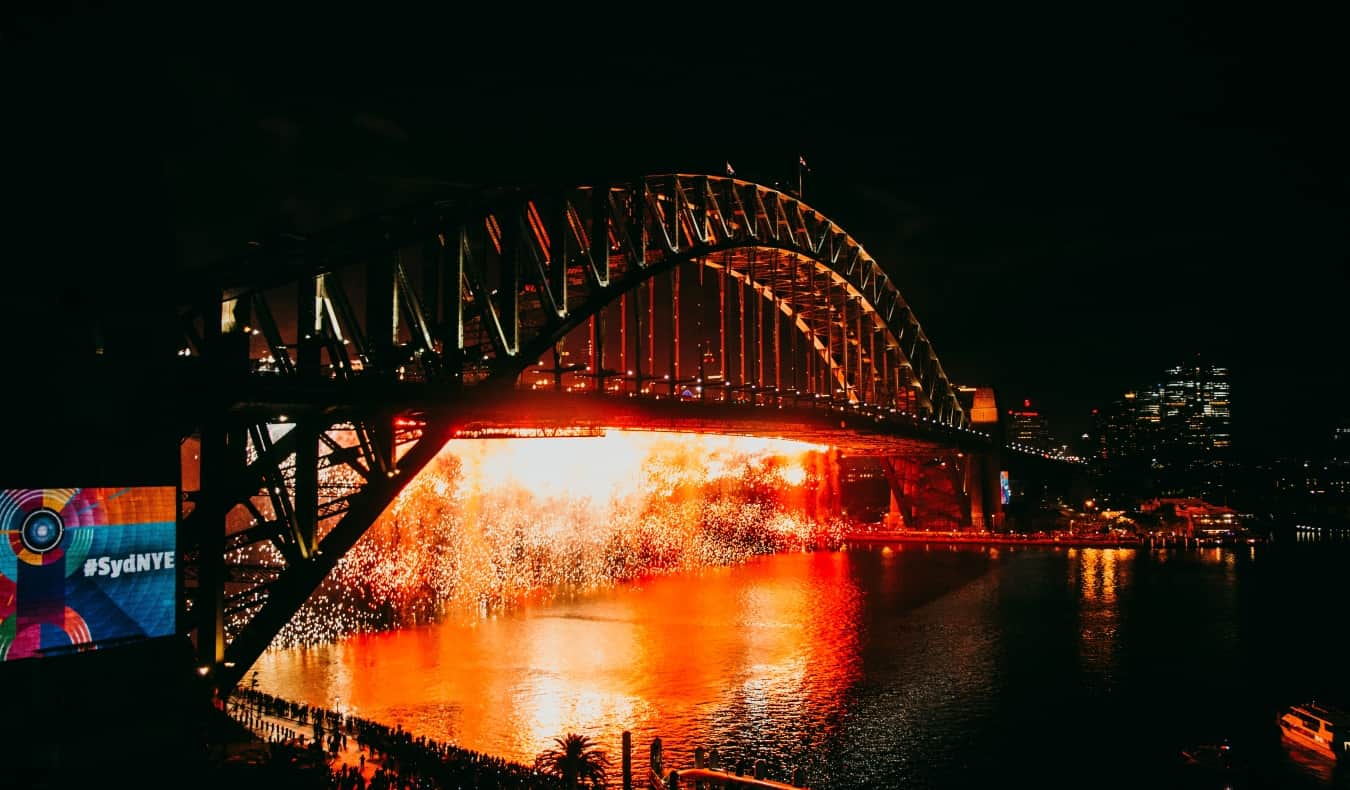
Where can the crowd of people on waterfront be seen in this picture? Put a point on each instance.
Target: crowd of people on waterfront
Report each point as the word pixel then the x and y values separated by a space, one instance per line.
pixel 404 761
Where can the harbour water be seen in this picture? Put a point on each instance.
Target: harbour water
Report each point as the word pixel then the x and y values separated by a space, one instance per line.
pixel 890 666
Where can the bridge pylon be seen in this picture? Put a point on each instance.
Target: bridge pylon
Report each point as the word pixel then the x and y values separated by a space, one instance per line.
pixel 947 489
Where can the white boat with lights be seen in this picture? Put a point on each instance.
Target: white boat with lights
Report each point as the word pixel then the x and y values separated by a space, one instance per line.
pixel 1321 728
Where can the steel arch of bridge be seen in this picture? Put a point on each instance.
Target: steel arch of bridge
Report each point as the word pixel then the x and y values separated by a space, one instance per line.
pixel 470 293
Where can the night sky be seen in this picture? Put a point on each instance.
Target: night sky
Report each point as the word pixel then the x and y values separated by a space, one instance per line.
pixel 1070 203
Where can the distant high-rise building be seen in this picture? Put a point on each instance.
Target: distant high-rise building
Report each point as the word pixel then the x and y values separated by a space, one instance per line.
pixel 1125 436
pixel 1195 409
pixel 1029 427
pixel 1196 439
pixel 1170 438
pixel 1131 426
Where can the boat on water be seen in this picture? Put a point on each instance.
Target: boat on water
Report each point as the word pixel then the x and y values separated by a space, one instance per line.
pixel 1322 728
pixel 1209 755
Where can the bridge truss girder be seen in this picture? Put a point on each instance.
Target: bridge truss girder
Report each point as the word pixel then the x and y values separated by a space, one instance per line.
pixel 481 292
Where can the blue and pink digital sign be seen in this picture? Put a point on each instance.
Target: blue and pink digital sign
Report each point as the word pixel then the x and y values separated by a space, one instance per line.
pixel 82 568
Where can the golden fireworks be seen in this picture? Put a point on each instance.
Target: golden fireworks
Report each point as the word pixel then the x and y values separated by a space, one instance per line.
pixel 491 521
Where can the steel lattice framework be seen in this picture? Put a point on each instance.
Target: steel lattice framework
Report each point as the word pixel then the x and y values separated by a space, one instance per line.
pixel 317 430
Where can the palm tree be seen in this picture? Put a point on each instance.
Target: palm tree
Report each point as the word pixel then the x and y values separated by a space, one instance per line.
pixel 575 759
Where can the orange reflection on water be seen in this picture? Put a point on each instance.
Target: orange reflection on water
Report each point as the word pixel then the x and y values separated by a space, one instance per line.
pixel 663 657
pixel 1101 575
pixel 1309 762
pixel 1096 572
pixel 1211 556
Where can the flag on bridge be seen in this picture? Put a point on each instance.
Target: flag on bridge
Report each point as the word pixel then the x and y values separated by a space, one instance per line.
pixel 801 161
pixel 730 171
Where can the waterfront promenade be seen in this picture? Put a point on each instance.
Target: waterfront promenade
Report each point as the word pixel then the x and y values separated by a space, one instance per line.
pixel 330 749
pixel 277 740
pixel 881 537
pixel 270 736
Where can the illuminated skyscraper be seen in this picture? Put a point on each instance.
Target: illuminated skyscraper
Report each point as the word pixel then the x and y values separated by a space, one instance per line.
pixel 1171 438
pixel 1028 426
pixel 1195 410
pixel 1131 426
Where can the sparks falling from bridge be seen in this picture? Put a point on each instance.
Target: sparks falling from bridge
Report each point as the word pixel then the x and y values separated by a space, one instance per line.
pixel 490 522
pixel 729 308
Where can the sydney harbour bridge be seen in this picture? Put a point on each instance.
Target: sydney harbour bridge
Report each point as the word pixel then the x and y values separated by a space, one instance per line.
pixel 331 369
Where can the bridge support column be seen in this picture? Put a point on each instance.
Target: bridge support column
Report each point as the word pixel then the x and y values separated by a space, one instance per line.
pixel 777 350
pixel 453 282
pixel 722 331
pixel 382 429
pixel 223 456
pixel 598 350
pixel 674 361
pixel 958 468
pixel 511 268
pixel 651 328
pixel 306 505
pixel 982 490
pixel 899 478
pixel 927 492
pixel 843 345
pixel 973 472
pixel 209 607
pixel 991 489
pixel 740 315
pixel 380 326
pixel 306 487
pixel 624 371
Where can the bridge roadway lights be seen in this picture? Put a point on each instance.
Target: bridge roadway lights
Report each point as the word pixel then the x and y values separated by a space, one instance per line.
pixel 545 410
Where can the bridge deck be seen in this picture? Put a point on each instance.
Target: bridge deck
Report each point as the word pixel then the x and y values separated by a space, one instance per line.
pixel 856 429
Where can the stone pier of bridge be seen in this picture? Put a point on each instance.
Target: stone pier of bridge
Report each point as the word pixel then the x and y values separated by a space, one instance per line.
pixel 949 488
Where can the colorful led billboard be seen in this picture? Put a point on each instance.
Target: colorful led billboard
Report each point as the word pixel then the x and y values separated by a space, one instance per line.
pixel 1004 487
pixel 82 568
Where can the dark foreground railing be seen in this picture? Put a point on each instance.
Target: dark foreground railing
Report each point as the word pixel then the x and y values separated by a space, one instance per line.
pixel 708 773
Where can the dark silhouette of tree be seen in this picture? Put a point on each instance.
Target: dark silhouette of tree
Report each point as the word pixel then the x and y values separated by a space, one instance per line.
pixel 575 759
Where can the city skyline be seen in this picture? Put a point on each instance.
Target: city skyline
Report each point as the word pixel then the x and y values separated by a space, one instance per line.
pixel 1165 391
